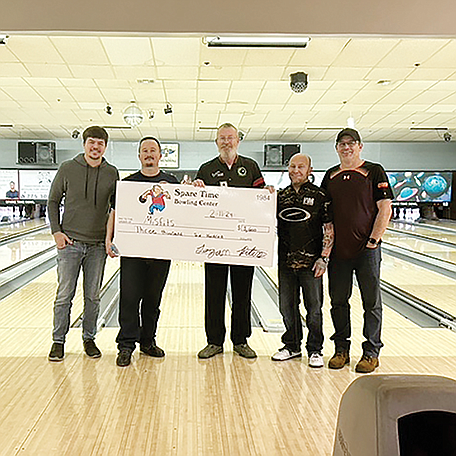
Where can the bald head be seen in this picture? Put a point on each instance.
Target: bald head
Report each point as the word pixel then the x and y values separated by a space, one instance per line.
pixel 299 169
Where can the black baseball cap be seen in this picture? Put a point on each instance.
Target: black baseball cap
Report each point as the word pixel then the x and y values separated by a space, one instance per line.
pixel 348 132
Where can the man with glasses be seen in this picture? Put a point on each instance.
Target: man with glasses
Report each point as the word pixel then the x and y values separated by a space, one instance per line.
pixel 361 197
pixel 232 170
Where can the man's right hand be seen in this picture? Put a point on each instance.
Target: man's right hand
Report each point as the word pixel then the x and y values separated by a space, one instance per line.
pixel 198 183
pixel 61 240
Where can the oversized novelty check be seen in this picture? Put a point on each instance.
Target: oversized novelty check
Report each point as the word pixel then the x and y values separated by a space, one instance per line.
pixel 182 222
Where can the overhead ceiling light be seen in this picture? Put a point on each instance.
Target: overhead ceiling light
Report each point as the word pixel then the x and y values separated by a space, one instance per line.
pixel 429 128
pixel 351 122
pixel 323 128
pixel 256 41
pixel 145 81
pixel 168 109
pixel 384 82
pixel 133 115
pixel 116 127
pixel 3 40
pixel 6 125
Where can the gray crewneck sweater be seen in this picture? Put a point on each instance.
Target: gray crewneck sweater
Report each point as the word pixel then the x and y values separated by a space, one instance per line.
pixel 88 192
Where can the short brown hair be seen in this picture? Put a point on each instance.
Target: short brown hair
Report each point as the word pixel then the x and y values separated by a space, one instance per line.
pixel 95 132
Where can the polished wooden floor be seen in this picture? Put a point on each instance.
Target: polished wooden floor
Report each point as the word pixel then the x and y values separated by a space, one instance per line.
pixel 180 405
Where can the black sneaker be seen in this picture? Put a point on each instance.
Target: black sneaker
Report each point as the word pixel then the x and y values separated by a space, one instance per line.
pixel 91 349
pixel 153 350
pixel 124 358
pixel 57 352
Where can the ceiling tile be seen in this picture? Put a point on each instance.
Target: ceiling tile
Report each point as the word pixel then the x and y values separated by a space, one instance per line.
pixel 34 49
pixel 81 50
pixel 176 51
pixel 92 71
pixel 13 70
pixel 364 52
pixel 128 50
pixel 42 70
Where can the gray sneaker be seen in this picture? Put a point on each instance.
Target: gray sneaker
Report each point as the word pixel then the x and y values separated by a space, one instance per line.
pixel 245 351
pixel 209 351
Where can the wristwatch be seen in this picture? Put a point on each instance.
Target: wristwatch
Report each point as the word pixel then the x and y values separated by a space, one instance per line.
pixel 373 241
pixel 325 259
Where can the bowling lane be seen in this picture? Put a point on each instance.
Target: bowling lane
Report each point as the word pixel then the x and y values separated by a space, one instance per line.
pixel 22 226
pixel 16 251
pixel 423 230
pixel 434 288
pixel 427 285
pixel 442 252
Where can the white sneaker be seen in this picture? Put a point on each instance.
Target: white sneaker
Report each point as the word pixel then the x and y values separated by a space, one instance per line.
pixel 284 354
pixel 316 360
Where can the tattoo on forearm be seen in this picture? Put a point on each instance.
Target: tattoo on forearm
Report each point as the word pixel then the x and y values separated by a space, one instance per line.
pixel 328 237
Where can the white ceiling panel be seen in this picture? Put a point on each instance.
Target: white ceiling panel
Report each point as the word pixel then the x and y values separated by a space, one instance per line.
pixel 22 94
pixel 6 56
pixel 31 49
pixel 177 51
pixel 227 73
pixel 86 95
pixel 134 72
pixel 186 73
pixel 408 52
pixel 128 50
pixel 13 70
pixel 222 56
pixel 81 50
pixel 364 52
pixel 42 70
pixel 321 51
pixel 92 71
pixel 247 86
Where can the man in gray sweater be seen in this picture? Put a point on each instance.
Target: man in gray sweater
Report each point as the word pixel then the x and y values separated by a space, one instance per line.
pixel 87 183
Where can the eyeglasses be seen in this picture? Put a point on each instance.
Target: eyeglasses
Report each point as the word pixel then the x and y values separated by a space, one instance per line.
pixel 226 138
pixel 350 144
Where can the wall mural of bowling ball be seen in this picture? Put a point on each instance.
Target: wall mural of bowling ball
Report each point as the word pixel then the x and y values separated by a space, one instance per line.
pixel 421 186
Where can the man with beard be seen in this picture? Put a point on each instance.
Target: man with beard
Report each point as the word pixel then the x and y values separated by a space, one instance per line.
pixel 142 280
pixel 232 170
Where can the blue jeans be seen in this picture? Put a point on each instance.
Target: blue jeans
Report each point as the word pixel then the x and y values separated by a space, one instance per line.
pixel 366 267
pixel 291 281
pixel 92 259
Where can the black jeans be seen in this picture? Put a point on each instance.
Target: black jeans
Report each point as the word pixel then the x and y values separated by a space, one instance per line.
pixel 291 281
pixel 142 282
pixel 366 267
pixel 216 279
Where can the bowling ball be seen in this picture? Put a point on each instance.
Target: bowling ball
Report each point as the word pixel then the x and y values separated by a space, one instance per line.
pixel 392 179
pixel 435 185
pixel 407 193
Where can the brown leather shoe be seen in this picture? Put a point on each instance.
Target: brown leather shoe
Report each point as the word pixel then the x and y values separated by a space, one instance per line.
pixel 339 360
pixel 367 364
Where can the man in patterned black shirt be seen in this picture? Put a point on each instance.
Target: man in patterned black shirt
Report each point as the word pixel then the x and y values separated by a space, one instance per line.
pixel 306 236
pixel 232 170
pixel 361 197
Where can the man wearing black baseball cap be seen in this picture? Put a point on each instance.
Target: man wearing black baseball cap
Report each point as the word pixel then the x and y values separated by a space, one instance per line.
pixel 361 197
